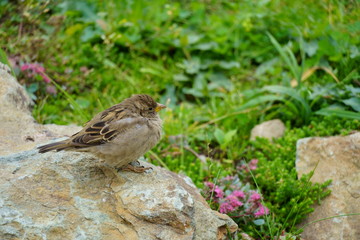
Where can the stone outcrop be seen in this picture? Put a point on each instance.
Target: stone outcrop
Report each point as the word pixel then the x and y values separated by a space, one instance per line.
pixel 336 158
pixel 70 195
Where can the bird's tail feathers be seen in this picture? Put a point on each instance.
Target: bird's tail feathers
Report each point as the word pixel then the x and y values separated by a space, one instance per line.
pixel 58 146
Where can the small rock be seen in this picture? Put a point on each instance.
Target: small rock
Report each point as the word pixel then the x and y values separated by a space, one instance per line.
pixel 336 158
pixel 269 129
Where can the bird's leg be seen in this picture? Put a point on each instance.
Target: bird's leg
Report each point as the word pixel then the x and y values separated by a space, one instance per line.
pixel 135 167
pixel 135 163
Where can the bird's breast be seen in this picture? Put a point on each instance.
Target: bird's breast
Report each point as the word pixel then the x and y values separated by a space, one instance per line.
pixel 130 145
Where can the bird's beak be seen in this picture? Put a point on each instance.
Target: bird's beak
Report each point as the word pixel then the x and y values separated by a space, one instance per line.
pixel 159 107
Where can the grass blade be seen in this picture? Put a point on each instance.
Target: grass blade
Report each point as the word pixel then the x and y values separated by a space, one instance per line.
pixel 259 100
pixel 292 93
pixel 71 100
pixel 287 56
pixel 338 113
pixel 4 60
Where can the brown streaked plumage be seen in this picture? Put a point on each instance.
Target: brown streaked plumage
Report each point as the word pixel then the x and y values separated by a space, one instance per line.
pixel 118 135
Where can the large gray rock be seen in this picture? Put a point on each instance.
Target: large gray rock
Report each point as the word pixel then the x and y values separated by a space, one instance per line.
pixel 69 195
pixel 19 131
pixel 336 158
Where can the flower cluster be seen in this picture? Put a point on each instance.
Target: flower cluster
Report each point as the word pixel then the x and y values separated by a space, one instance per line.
pixel 231 197
pixel 247 167
pixel 31 70
pixel 35 69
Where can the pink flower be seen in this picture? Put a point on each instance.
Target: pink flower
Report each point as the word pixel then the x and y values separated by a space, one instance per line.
pixel 218 192
pixel 255 197
pixel 51 89
pixel 228 178
pixel 253 164
pixel 209 185
pixel 45 77
pixel 84 69
pixel 234 201
pixel 226 208
pixel 37 69
pixel 261 211
pixel 238 194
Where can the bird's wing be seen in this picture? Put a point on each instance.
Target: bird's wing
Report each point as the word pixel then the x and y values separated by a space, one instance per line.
pixel 105 127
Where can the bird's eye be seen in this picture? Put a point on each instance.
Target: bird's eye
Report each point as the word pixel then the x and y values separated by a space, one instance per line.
pixel 150 109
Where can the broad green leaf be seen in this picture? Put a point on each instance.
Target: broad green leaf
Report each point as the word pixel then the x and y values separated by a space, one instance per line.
pixel 206 46
pixel 200 82
pixel 252 92
pixel 82 102
pixel 180 77
pixel 311 48
pixel 353 102
pixel 266 66
pixel 90 33
pixel 354 27
pixel 229 64
pixel 150 71
pixel 74 29
pixel 355 91
pixel 192 66
pixel 219 136
pixel 33 87
pixel 193 91
pixel 229 136
pixel 354 51
pixel 108 63
pixel 219 79
pixel 259 222
pixel 193 38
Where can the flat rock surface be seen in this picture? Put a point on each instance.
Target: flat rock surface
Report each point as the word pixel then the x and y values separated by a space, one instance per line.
pixel 336 158
pixel 69 195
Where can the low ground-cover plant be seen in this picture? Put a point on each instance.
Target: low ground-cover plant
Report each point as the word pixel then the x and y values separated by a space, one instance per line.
pixel 233 196
pixel 288 198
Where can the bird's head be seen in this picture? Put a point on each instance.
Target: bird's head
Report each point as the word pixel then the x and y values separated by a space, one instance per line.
pixel 145 105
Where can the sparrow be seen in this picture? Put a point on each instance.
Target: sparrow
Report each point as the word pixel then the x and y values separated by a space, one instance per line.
pixel 118 135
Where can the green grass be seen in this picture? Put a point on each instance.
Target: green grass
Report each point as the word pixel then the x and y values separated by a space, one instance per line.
pixel 221 67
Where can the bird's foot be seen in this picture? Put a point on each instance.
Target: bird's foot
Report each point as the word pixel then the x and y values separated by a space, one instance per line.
pixel 137 168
